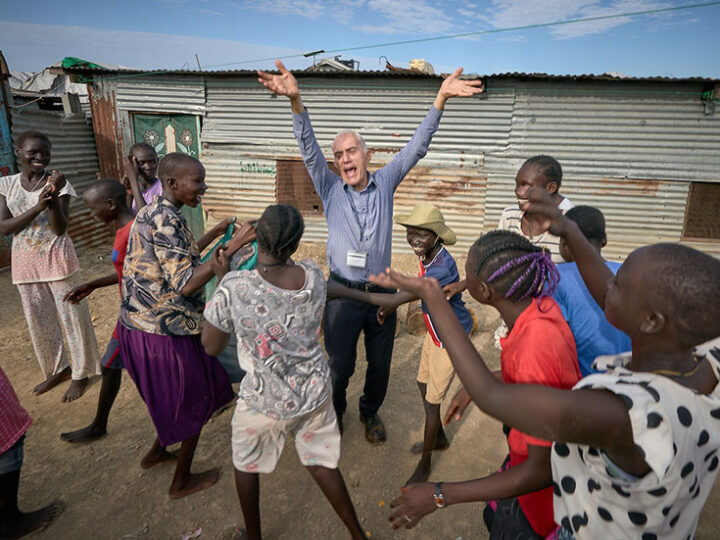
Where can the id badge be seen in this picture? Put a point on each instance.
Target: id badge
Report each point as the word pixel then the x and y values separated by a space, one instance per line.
pixel 356 259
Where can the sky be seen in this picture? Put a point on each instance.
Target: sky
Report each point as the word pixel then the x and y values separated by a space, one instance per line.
pixel 248 34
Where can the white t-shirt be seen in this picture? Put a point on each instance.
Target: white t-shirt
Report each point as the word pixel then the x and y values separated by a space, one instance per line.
pixel 677 430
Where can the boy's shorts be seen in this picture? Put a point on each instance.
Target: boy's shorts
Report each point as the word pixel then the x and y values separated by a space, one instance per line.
pixel 436 371
pixel 258 440
pixel 112 359
pixel 12 459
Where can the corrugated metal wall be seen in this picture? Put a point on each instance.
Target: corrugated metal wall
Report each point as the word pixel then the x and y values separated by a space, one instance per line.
pixel 73 153
pixel 630 151
pixel 185 94
pixel 246 130
pixel 629 148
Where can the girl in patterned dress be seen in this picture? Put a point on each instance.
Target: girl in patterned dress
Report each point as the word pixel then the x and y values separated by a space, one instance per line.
pixel 34 208
pixel 163 296
pixel 636 447
pixel 275 311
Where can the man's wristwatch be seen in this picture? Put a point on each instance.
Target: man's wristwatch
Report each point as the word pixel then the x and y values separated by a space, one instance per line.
pixel 439 496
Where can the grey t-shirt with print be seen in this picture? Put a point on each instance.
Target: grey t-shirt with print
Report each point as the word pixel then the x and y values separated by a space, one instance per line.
pixel 278 335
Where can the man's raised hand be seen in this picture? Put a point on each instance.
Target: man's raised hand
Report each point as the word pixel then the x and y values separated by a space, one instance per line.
pixel 454 86
pixel 284 84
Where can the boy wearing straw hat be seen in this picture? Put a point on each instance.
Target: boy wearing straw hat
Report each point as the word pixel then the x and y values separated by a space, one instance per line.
pixel 427 235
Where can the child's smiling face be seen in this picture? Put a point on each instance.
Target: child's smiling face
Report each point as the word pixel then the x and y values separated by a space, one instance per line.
pixel 530 175
pixel 34 155
pixel 189 184
pixel 422 241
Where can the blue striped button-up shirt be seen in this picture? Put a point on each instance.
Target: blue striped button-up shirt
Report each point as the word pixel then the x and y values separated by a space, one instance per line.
pixel 360 220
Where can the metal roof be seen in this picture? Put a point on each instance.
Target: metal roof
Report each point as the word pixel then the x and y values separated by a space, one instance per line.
pixel 393 74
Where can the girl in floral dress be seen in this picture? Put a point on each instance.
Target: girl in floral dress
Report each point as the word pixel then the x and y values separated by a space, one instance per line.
pixel 34 209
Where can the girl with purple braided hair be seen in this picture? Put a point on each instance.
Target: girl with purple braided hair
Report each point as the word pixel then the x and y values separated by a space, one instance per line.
pixel 506 271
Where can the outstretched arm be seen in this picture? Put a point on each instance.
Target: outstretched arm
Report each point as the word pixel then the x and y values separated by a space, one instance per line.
pixel 387 300
pixel 418 145
pixel 81 291
pixel 454 86
pixel 218 230
pixel 591 265
pixel 203 273
pixel 594 417
pixel 283 84
pixel 417 501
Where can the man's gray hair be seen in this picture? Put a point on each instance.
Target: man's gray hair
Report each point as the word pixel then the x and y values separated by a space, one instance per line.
pixel 357 136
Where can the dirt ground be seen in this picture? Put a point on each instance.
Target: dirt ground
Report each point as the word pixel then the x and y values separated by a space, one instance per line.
pixel 107 495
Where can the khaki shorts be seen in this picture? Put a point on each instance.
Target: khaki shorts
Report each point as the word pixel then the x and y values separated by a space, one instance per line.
pixel 436 371
pixel 258 440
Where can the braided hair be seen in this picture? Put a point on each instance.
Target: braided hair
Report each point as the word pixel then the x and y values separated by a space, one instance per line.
pixel 515 267
pixel 279 230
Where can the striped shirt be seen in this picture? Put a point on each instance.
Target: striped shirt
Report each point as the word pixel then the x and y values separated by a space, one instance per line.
pixel 360 220
pixel 14 420
pixel 511 218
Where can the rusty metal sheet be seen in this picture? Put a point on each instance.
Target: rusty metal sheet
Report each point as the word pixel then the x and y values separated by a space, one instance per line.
pixel 108 139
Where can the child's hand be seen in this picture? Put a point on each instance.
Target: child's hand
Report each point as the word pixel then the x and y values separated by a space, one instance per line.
pixel 451 289
pixel 415 503
pixel 383 312
pixel 418 286
pixel 243 235
pixel 57 181
pixel 132 171
pixel 457 406
pixel 220 228
pixel 220 263
pixel 539 202
pixel 125 181
pixel 78 293
pixel 45 197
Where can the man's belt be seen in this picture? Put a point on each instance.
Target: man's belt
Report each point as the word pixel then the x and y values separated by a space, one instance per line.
pixel 360 285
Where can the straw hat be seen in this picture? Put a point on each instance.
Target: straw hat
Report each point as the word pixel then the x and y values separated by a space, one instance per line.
pixel 427 216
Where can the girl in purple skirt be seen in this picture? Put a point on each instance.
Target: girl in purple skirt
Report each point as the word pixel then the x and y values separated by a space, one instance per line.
pixel 162 305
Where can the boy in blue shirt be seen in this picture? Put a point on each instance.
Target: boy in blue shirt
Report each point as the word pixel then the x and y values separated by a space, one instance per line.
pixel 427 235
pixel 594 335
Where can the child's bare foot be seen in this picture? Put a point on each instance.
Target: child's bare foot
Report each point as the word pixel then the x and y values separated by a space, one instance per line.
pixel 194 483
pixel 52 381
pixel 421 474
pixel 441 444
pixel 28 522
pixel 157 454
pixel 75 390
pixel 86 434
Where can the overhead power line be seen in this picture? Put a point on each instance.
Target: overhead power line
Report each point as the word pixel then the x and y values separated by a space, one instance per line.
pixel 444 37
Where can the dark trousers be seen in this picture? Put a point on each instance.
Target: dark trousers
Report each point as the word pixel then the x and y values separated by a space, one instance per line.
pixel 344 319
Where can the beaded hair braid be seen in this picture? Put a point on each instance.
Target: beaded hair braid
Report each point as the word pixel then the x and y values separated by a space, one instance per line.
pixel 518 268
pixel 279 230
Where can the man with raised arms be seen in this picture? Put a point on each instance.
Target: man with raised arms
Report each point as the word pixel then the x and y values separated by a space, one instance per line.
pixel 358 208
